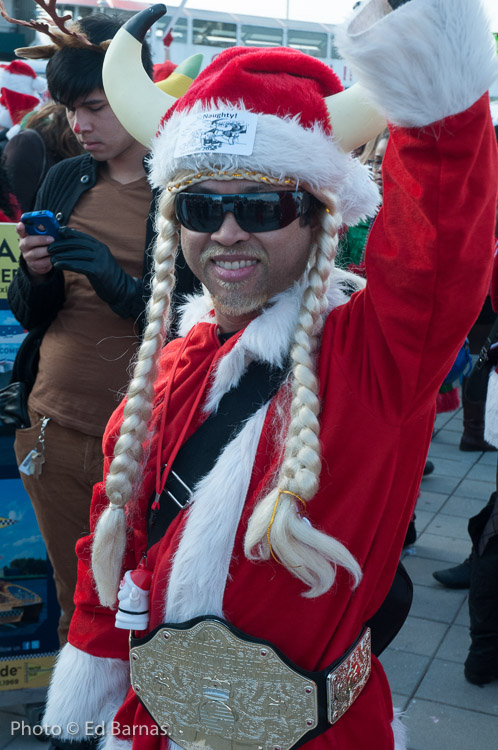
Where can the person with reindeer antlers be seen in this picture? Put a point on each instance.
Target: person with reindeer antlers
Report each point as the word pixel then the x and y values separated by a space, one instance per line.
pixel 260 475
pixel 81 297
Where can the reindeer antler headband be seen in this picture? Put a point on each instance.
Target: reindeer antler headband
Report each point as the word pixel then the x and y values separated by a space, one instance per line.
pixel 61 35
pixel 64 36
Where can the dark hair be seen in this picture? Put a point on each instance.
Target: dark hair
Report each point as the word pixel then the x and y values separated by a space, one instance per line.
pixel 7 204
pixel 51 122
pixel 73 72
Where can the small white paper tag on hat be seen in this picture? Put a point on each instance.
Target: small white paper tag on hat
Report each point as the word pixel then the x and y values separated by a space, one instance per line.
pixel 223 132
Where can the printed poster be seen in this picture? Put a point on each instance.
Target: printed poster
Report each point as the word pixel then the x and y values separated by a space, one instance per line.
pixel 29 611
pixel 11 332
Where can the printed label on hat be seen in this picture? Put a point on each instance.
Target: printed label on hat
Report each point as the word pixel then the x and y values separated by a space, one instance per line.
pixel 224 132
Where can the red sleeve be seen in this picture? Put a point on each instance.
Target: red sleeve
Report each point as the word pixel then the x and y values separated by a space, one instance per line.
pixel 428 263
pixel 92 625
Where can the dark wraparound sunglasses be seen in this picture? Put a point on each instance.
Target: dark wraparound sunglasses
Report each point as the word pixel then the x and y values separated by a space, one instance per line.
pixel 254 212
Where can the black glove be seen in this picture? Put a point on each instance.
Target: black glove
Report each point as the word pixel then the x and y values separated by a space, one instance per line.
pixel 82 253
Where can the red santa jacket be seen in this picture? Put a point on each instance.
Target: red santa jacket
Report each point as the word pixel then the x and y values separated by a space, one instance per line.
pixel 382 359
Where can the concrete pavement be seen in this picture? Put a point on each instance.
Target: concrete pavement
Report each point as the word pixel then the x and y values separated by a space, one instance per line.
pixel 424 663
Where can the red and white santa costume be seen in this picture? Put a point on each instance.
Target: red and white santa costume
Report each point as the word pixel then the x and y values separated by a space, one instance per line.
pixel 383 356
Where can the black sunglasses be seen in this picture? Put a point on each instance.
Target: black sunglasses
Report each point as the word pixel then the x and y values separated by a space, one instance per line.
pixel 254 212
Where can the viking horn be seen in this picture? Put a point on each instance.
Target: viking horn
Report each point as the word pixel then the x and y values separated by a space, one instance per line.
pixel 136 101
pixel 179 81
pixel 353 117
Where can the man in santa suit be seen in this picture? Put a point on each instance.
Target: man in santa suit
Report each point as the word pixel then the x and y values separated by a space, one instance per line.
pixel 289 421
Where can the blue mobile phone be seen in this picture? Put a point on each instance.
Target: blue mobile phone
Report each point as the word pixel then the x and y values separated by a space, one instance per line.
pixel 42 223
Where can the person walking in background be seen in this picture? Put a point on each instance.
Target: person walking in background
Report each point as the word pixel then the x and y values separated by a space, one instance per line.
pixel 481 664
pixel 82 297
pixel 480 412
pixel 473 410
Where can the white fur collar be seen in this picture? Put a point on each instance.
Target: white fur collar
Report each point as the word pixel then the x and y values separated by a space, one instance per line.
pixel 267 338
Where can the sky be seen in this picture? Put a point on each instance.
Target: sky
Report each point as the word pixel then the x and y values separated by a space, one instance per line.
pixel 325 11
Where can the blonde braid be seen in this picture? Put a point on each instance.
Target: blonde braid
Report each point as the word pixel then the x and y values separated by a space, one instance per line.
pixel 309 554
pixel 125 469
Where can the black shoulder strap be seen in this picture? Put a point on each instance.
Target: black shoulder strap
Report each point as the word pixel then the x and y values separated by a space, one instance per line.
pixel 199 453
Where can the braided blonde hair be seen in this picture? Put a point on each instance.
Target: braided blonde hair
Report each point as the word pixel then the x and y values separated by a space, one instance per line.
pixel 307 553
pixel 125 470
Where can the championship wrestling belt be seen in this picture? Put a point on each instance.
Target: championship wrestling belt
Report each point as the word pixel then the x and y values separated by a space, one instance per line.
pixel 209 685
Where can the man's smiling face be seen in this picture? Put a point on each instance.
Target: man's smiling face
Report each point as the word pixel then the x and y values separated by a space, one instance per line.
pixel 243 270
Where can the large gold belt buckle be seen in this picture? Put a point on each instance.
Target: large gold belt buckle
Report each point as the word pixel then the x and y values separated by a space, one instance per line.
pixel 208 688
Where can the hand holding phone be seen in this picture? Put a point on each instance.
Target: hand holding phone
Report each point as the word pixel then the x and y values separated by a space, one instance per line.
pixel 41 223
pixel 36 227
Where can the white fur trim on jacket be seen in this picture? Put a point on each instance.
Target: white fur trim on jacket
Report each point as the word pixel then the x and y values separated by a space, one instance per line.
pixel 491 418
pixel 266 339
pixel 399 730
pixel 95 696
pixel 200 566
pixel 424 61
pixel 282 149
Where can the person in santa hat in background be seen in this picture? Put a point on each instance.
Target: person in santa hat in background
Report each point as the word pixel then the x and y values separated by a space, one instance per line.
pixel 264 466
pixel 21 90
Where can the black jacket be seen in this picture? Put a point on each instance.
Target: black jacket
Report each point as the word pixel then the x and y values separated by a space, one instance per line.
pixel 36 305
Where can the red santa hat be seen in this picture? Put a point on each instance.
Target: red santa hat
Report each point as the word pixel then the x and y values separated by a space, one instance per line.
pixel 17 105
pixel 262 111
pixel 21 91
pixel 141 578
pixel 19 76
pixel 274 112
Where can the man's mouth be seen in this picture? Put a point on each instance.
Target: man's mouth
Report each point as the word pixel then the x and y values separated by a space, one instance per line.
pixel 234 265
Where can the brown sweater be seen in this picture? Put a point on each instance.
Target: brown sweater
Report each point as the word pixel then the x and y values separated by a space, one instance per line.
pixel 86 352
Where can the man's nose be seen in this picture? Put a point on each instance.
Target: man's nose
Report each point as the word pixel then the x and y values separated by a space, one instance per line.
pixel 81 123
pixel 230 232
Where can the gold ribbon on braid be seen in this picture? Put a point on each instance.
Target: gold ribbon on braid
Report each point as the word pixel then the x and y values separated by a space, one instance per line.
pixel 268 531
